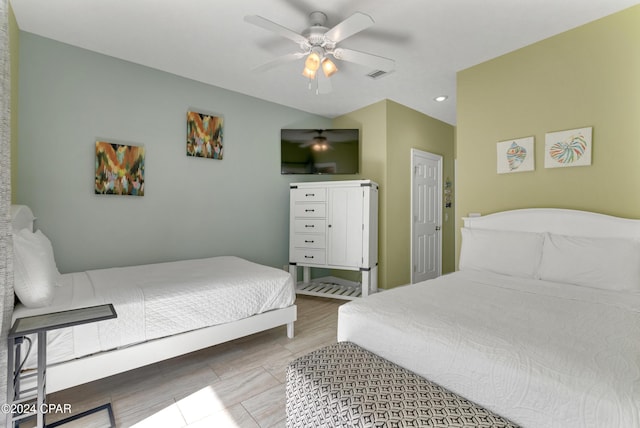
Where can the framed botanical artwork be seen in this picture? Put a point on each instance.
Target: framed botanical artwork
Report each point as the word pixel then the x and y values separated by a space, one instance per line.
pixel 205 135
pixel 516 155
pixel 119 169
pixel 568 148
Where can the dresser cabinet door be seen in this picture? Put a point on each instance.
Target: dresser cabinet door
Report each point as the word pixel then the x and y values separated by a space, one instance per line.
pixel 344 226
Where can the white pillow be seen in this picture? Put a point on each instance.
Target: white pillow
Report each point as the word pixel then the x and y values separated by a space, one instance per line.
pixel 607 263
pixel 22 217
pixel 35 271
pixel 504 252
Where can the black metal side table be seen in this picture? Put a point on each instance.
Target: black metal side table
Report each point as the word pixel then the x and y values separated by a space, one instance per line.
pixel 27 403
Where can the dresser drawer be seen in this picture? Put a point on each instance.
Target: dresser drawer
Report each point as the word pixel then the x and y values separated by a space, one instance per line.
pixel 309 226
pixel 308 241
pixel 309 195
pixel 310 210
pixel 309 256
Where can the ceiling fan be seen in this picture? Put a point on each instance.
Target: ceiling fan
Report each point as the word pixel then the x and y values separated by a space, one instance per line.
pixel 317 43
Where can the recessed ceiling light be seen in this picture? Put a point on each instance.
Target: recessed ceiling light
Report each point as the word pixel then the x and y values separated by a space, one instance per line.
pixel 440 98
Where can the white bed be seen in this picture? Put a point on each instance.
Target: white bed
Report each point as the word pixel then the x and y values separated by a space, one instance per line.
pixel 164 310
pixel 540 325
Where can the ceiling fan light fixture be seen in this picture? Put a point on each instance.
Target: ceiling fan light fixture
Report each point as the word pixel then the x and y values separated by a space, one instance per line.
pixel 328 67
pixel 312 62
pixel 309 73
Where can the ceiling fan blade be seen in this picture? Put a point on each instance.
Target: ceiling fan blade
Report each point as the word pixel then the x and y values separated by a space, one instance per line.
pixel 374 61
pixel 276 28
pixel 350 26
pixel 279 61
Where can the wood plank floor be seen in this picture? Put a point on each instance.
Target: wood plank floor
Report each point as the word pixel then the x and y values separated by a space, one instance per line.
pixel 236 384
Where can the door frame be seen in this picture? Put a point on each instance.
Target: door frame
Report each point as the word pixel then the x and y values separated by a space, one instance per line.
pixel 438 158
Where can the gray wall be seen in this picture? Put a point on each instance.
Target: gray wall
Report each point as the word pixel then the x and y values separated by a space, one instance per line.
pixel 69 97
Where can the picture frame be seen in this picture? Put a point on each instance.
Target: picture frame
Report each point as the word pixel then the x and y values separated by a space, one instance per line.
pixel 205 134
pixel 568 148
pixel 516 155
pixel 119 169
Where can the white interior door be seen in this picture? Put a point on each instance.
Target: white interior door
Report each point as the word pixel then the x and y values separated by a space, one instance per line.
pixel 426 209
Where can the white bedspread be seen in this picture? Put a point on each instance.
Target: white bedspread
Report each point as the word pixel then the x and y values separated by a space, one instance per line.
pixel 160 300
pixel 539 353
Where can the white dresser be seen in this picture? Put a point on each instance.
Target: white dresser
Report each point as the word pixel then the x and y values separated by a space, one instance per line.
pixel 334 225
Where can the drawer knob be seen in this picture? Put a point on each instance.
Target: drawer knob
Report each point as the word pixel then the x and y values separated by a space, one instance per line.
pixel 309 194
pixel 309 211
pixel 308 241
pixel 308 257
pixel 309 225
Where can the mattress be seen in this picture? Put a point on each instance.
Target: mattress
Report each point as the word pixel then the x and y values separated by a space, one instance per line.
pixel 159 300
pixel 541 354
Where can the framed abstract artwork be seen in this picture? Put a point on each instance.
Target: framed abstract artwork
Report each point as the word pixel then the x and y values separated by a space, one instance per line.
pixel 205 135
pixel 568 148
pixel 119 169
pixel 516 155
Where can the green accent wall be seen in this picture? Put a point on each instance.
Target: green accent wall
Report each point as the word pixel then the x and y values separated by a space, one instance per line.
pixel 389 132
pixel 588 76
pixel 14 54
pixel 371 121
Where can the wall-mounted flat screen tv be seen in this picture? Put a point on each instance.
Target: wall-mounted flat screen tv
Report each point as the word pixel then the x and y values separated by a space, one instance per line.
pixel 320 151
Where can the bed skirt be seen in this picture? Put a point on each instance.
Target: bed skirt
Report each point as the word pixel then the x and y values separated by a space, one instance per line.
pixel 344 385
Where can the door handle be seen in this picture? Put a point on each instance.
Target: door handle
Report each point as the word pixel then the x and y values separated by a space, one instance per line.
pixel 438 228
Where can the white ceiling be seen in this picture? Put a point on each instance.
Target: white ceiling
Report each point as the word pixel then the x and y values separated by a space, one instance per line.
pixel 209 41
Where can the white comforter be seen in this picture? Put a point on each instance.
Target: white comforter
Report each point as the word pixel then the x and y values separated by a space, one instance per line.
pixel 541 354
pixel 160 300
